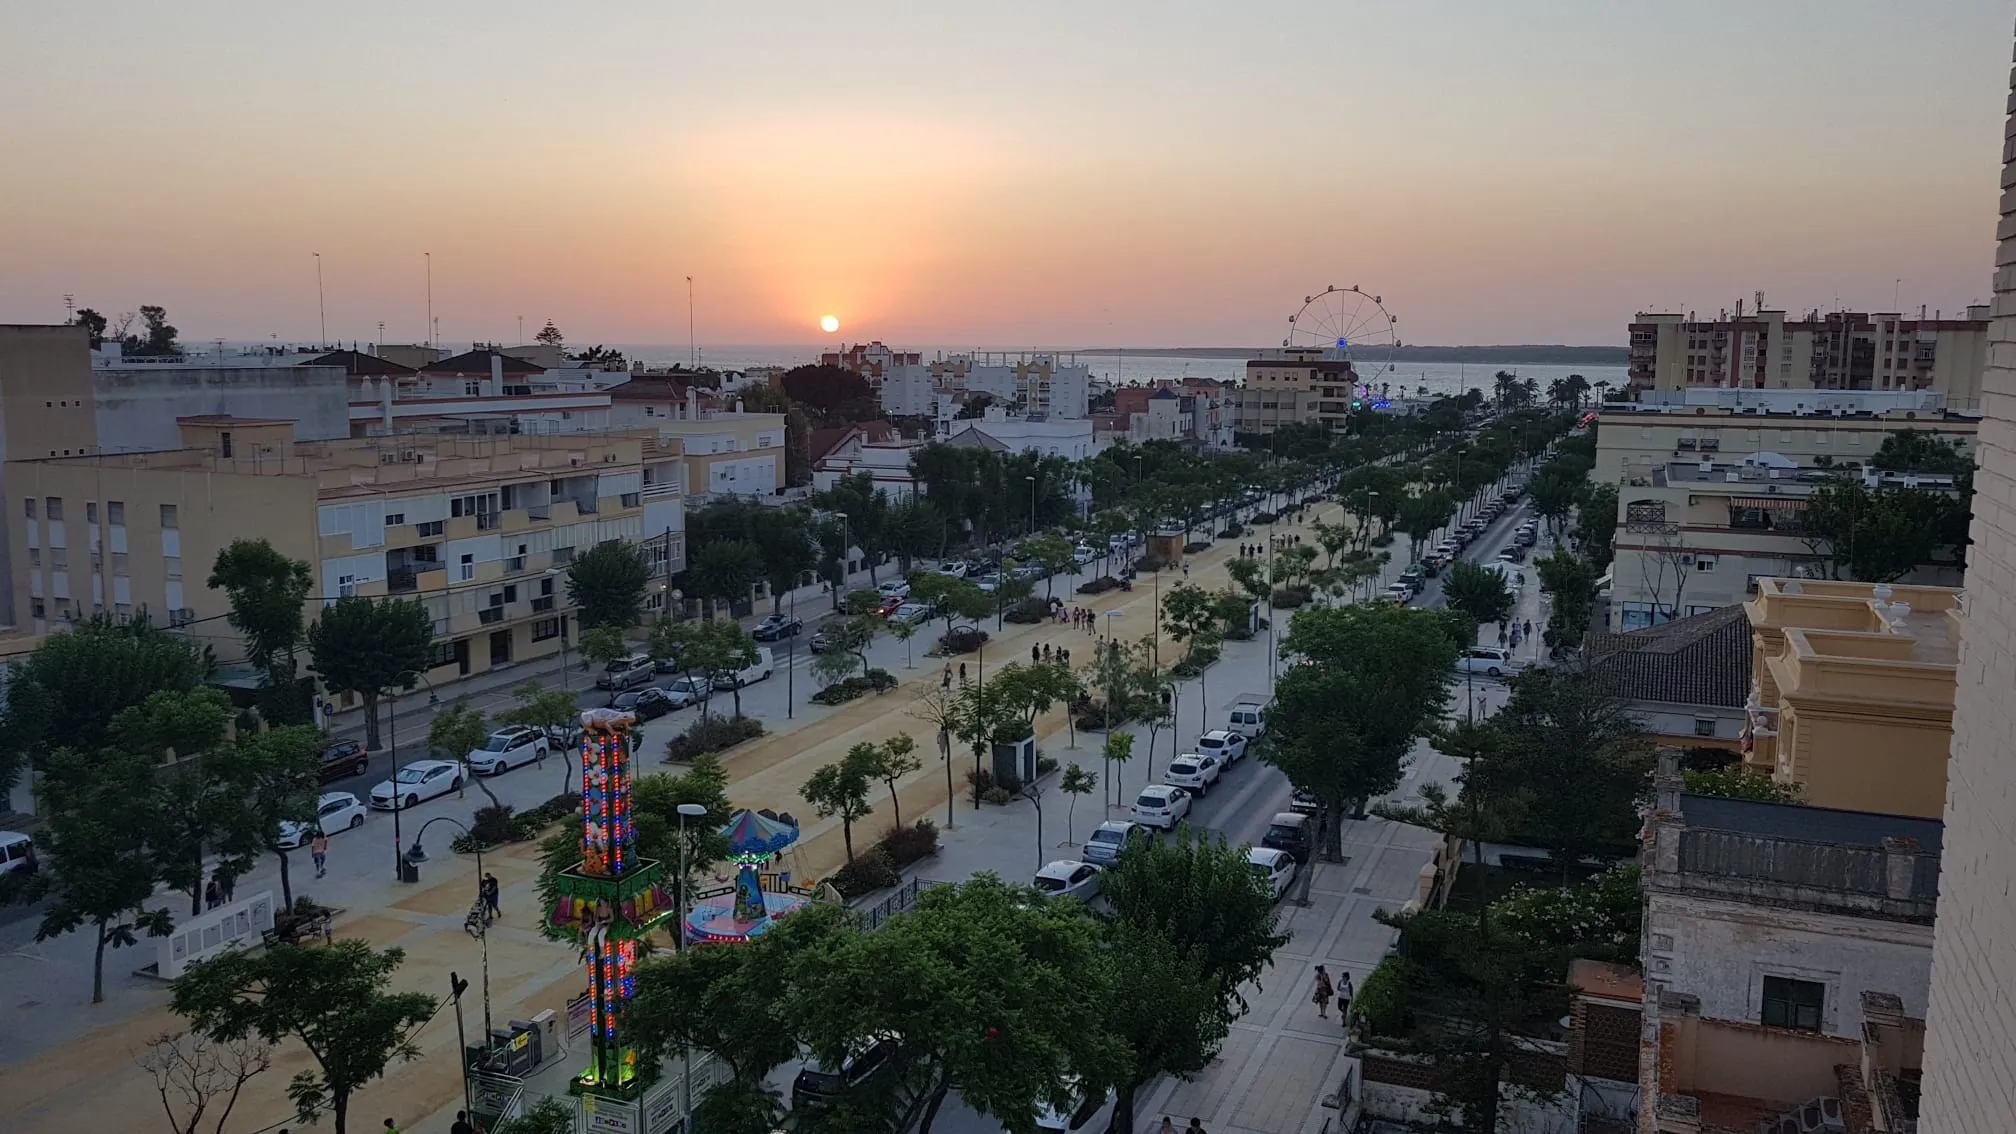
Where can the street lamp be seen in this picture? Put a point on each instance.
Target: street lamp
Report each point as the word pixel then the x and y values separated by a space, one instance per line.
pixel 846 538
pixel 1032 503
pixel 686 811
pixel 417 855
pixel 551 571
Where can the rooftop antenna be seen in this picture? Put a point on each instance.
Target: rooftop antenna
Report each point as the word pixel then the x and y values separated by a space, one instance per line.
pixel 432 328
pixel 69 308
pixel 692 343
pixel 321 308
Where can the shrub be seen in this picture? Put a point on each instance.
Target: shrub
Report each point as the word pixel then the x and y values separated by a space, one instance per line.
pixel 1597 918
pixel 1197 546
pixel 1288 598
pixel 982 780
pixel 999 796
pixel 1150 562
pixel 711 734
pixel 1045 765
pixel 492 824
pixel 840 692
pixel 1263 518
pixel 870 871
pixel 1383 539
pixel 1380 1008
pixel 1195 661
pixel 881 680
pixel 1232 530
pixel 905 845
pixel 964 640
pixel 1010 784
pixel 1100 585
pixel 1030 610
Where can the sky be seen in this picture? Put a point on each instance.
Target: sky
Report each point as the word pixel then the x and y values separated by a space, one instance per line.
pixel 1036 174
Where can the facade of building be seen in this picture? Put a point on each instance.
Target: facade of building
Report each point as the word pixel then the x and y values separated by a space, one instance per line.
pixel 870 447
pixel 1970 1044
pixel 1787 954
pixel 1687 681
pixel 1839 350
pixel 1852 692
pixel 873 361
pixel 1633 442
pixel 478 529
pixel 1301 387
pixel 1071 438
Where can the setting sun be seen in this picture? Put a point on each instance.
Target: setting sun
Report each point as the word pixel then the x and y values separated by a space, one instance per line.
pixel 829 323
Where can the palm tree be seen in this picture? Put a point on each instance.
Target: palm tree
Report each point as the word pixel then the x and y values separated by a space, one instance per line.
pixel 1505 389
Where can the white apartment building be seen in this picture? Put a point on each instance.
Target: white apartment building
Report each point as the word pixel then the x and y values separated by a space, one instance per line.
pixel 1163 419
pixel 1839 350
pixel 1070 439
pixel 1633 441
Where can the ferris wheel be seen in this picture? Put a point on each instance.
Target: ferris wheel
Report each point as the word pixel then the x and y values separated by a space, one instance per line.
pixel 1348 324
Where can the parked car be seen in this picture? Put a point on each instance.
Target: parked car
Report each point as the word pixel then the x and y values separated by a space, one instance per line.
pixel 1492 661
pixel 1161 805
pixel 1069 878
pixel 648 703
pixel 627 673
pixel 342 759
pixel 1103 845
pixel 17 853
pixel 817 1083
pixel 335 811
pixel 764 665
pixel 895 588
pixel 1248 716
pixel 1292 832
pixel 1222 743
pixel 1304 802
pixel 1399 594
pixel 915 613
pixel 507 748
pixel 1275 868
pixel 422 779
pixel 688 691
pixel 777 627
pixel 1193 770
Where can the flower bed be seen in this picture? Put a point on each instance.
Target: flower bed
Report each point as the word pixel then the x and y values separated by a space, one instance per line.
pixel 497 825
pixel 713 733
pixel 1098 586
pixel 841 692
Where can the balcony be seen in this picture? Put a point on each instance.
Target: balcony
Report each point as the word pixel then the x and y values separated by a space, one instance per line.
pixel 489 521
pixel 400 581
pixel 543 604
pixel 661 489
pixel 490 615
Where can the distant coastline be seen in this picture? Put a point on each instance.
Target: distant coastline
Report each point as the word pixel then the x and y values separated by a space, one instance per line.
pixel 1530 355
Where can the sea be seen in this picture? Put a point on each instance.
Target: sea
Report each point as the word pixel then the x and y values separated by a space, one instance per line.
pixel 1148 364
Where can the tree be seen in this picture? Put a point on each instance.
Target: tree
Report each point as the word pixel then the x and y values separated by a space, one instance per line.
pixel 1251 575
pixel 456 731
pixel 890 761
pixel 606 583
pixel 1054 553
pixel 1075 781
pixel 1572 581
pixel 195 808
pixel 1596 524
pixel 159 340
pixel 1580 757
pixel 841 788
pixel 332 998
pixel 1118 749
pixel 707 646
pixel 1421 515
pixel 1163 1007
pixel 903 630
pixel 866 509
pixel 829 391
pixel 1877 535
pixel 951 598
pixel 267 592
pixel 191 1073
pixel 1477 591
pixel 94 325
pixel 992 987
pixel 783 537
pixel 1554 494
pixel 370 647
pixel 603 644
pixel 1916 450
pixel 69 690
pixel 1190 612
pixel 98 868
pixel 726 571
pixel 275 778
pixel 1341 726
pixel 547 709
pixel 549 335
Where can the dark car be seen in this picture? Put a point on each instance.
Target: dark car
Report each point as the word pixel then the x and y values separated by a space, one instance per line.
pixel 342 759
pixel 818 1083
pixel 1293 833
pixel 776 627
pixel 647 703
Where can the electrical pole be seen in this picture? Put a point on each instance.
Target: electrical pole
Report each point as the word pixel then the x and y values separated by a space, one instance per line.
pixel 320 307
pixel 430 298
pixel 692 342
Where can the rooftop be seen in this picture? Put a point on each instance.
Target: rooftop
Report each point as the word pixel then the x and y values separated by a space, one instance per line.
pixel 477 362
pixel 1789 479
pixel 1844 621
pixel 1866 829
pixel 360 365
pixel 1703 659
pixel 1600 978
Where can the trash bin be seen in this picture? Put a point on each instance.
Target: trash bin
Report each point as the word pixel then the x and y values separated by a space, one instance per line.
pixel 409 871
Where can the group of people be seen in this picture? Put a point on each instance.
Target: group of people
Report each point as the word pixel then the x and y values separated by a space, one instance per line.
pixel 1041 654
pixel 1513 633
pixel 218 890
pixel 1253 550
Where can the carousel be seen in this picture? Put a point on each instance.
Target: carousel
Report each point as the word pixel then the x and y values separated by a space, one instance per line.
pixel 755 901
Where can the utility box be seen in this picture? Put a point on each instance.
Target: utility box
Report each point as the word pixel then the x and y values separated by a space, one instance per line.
pixel 1015 760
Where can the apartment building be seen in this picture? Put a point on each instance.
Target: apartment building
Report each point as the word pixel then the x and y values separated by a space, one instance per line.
pixel 1806 429
pixel 1299 387
pixel 873 361
pixel 1788 956
pixel 1194 411
pixel 1837 350
pixel 477 528
pixel 1687 681
pixel 1970 1042
pixel 1852 692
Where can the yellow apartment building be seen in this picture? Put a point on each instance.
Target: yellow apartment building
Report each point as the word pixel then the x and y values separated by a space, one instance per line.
pixel 1632 443
pixel 477 528
pixel 1852 692
pixel 1302 387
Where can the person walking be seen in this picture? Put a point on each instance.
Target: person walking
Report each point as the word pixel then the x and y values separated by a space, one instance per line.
pixel 947 682
pixel 962 673
pixel 391 1127
pixel 1322 993
pixel 491 896
pixel 1035 654
pixel 1196 1126
pixel 1167 1126
pixel 318 848
pixel 1344 994
pixel 461 1124
pixel 227 886
pixel 211 899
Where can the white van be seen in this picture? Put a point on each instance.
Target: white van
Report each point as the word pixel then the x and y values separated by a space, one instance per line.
pixel 737 678
pixel 1514 574
pixel 1248 717
pixel 17 853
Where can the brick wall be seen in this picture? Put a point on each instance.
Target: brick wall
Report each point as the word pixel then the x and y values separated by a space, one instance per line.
pixel 1970 1044
pixel 1605 1042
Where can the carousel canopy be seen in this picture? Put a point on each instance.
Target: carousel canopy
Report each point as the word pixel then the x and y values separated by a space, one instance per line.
pixel 750 832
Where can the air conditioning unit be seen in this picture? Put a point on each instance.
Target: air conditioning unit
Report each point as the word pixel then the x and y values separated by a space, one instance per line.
pixel 181 616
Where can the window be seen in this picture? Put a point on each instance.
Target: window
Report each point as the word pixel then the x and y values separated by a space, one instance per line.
pixel 169 517
pixel 346 585
pixel 511 593
pixel 1704 726
pixel 171 567
pixel 59 559
pixel 1790 1003
pixel 431 528
pixel 442 654
pixel 90 511
pixel 36 608
pixel 472 387
pixel 115 513
pixel 53 508
pixel 545 628
pixel 224 444
pixel 30 504
pixel 1704 563
pixel 34 557
pixel 394 519
pixel 468 566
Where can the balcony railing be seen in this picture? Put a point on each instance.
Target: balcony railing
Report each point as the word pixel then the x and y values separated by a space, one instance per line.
pixel 542 604
pixel 400 580
pixel 490 615
pixel 488 521
pixel 663 488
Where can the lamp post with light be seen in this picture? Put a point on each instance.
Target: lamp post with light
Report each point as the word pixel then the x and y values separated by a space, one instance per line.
pixel 480 927
pixel 686 811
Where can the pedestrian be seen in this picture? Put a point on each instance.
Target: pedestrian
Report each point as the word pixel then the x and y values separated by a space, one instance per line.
pixel 1344 994
pixel 391 1127
pixel 1195 1127
pixel 1529 628
pixel 211 898
pixel 1046 651
pixel 1066 654
pixel 1186 569
pixel 962 673
pixel 491 895
pixel 1483 706
pixel 226 886
pixel 319 848
pixel 1501 635
pixel 1322 993
pixel 461 1124
pixel 328 929
pixel 1035 654
pixel 947 682
pixel 1167 1126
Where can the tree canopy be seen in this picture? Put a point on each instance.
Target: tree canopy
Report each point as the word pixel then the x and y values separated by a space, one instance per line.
pixel 606 583
pixel 370 647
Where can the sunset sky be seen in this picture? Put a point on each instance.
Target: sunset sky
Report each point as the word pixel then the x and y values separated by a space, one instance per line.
pixel 1027 174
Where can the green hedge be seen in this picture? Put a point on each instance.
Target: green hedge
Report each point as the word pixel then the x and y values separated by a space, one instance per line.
pixel 712 733
pixel 1380 1008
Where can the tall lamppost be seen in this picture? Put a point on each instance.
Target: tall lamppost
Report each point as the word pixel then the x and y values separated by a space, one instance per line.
pixel 1032 503
pixel 481 929
pixel 686 811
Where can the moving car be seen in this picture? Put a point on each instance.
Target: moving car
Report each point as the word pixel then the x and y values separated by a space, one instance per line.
pixel 1068 877
pixel 895 588
pixel 422 779
pixel 1222 743
pixel 817 1083
pixel 915 613
pixel 627 673
pixel 1276 868
pixel 1492 661
pixel 1161 805
pixel 1291 832
pixel 889 605
pixel 335 811
pixel 1248 716
pixel 342 759
pixel 1103 845
pixel 648 703
pixel 1399 594
pixel 1193 770
pixel 777 627
pixel 688 691
pixel 509 747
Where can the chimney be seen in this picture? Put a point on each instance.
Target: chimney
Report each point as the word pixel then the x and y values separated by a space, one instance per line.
pixel 385 405
pixel 692 404
pixel 1900 861
pixel 496 375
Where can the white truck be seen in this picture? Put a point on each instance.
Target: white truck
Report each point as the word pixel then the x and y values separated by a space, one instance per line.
pixel 1248 715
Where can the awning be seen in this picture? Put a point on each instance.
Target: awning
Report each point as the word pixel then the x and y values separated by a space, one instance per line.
pixel 1780 503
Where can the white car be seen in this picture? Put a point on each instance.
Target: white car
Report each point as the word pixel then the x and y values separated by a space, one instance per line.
pixel 506 749
pixel 1275 868
pixel 1193 770
pixel 915 613
pixel 1069 878
pixel 895 588
pixel 1223 743
pixel 422 779
pixel 1161 805
pixel 1491 661
pixel 689 691
pixel 1108 839
pixel 336 811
